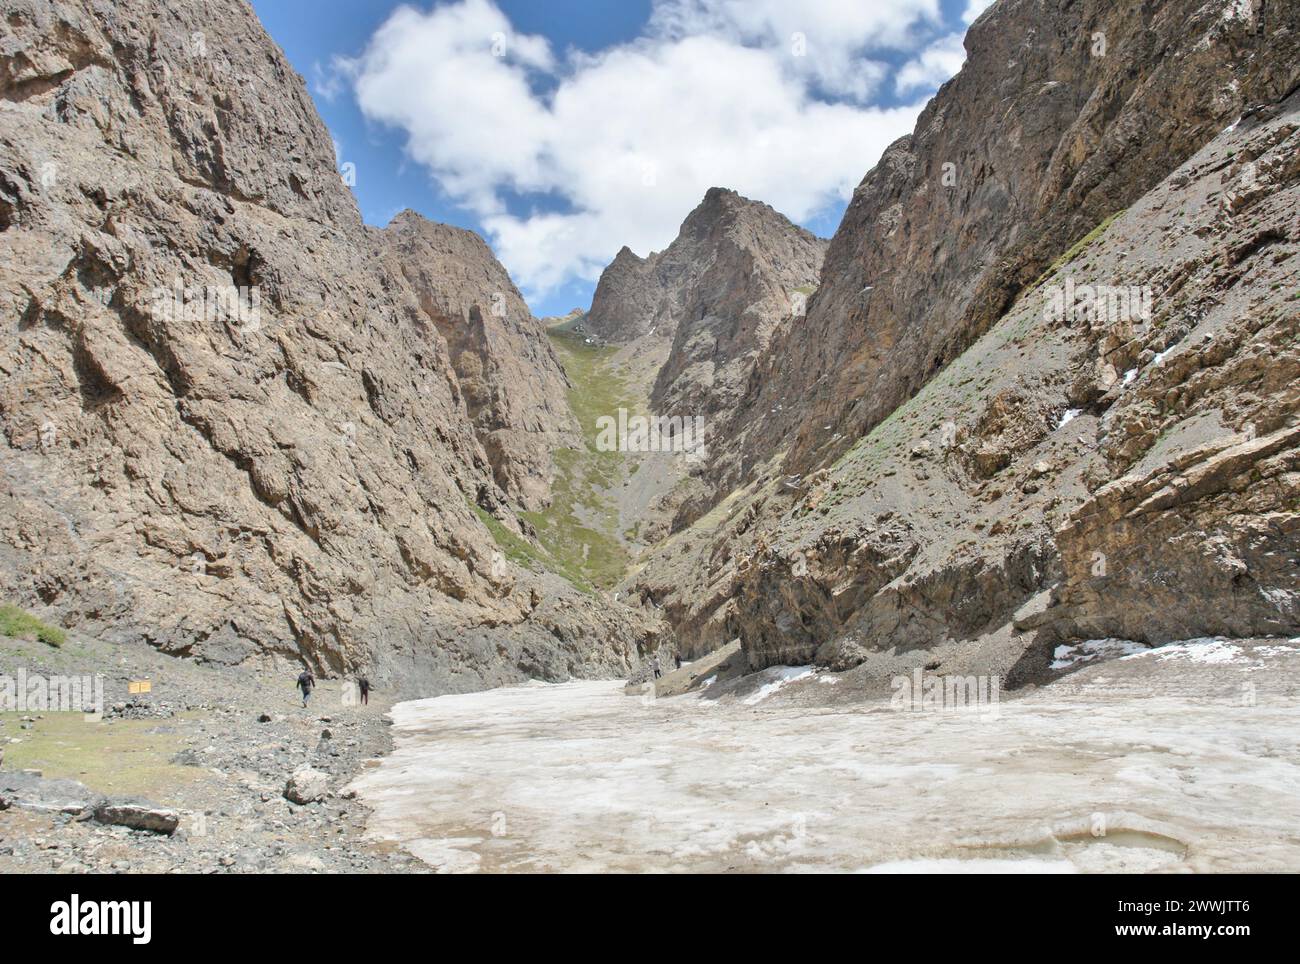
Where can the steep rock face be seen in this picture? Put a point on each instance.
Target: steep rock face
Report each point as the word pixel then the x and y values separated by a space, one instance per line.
pixel 735 275
pixel 1181 423
pixel 1062 115
pixel 1105 461
pixel 512 383
pixel 1217 525
pixel 751 268
pixel 626 301
pixel 293 476
pixel 717 290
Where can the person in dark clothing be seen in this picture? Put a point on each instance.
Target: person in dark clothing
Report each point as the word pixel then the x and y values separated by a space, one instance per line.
pixel 305 683
pixel 363 685
pixel 677 660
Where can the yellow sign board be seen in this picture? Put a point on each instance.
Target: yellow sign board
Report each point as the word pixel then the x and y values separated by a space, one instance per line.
pixel 139 686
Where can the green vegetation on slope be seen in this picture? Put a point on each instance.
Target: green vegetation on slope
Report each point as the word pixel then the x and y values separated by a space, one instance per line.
pixel 16 623
pixel 579 529
pixel 1074 251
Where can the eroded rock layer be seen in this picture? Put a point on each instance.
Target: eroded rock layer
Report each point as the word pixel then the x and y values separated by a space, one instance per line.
pixel 512 383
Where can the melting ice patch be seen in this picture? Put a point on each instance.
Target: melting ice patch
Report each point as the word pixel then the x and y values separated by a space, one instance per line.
pixel 1093 649
pixel 1267 651
pixel 777 676
pixel 1070 415
pixel 1206 649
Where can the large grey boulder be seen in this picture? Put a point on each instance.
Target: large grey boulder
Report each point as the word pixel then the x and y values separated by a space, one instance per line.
pixel 25 790
pixel 307 785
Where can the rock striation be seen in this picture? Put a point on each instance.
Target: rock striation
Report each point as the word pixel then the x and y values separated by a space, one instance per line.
pixel 513 385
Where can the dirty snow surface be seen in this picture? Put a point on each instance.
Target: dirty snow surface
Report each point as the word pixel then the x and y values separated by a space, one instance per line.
pixel 1186 759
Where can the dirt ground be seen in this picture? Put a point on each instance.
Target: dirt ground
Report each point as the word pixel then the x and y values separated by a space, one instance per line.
pixel 194 744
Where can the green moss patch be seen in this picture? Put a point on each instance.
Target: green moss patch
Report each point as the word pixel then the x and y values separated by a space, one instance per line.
pixel 18 624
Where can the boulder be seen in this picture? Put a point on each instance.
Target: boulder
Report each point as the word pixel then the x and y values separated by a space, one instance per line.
pixel 138 815
pixel 307 785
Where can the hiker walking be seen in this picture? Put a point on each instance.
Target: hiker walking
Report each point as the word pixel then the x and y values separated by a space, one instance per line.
pixel 363 685
pixel 305 682
pixel 677 660
pixel 654 664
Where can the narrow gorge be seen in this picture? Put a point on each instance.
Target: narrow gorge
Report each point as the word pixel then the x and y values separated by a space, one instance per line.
pixel 1029 416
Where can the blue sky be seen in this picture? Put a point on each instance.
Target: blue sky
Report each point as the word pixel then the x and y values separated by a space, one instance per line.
pixel 561 130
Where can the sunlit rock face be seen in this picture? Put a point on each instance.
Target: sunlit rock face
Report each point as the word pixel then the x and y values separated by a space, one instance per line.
pixel 229 426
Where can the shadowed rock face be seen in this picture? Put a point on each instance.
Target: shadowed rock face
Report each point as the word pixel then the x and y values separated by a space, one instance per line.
pixel 291 479
pixel 513 385
pixel 627 299
pixel 961 458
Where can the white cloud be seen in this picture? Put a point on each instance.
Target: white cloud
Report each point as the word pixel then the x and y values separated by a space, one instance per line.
pixel 456 80
pixel 627 140
pixel 327 83
pixel 973 9
pixel 934 65
pixel 824 41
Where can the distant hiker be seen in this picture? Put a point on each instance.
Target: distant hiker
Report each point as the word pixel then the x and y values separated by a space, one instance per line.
pixel 677 659
pixel 654 665
pixel 305 682
pixel 363 685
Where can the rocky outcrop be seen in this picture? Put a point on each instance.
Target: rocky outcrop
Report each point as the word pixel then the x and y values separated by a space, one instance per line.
pixel 513 385
pixel 228 426
pixel 735 269
pixel 1116 456
pixel 751 270
pixel 1206 544
pixel 627 300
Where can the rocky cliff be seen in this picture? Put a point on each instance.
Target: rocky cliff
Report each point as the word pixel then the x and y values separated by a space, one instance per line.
pixel 512 383
pixel 737 273
pixel 1063 115
pixel 751 269
pixel 1045 389
pixel 230 426
pixel 734 270
pixel 626 303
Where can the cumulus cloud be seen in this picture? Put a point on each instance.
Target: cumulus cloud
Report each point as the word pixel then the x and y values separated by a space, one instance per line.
pixel 615 147
pixel 826 42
